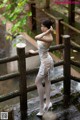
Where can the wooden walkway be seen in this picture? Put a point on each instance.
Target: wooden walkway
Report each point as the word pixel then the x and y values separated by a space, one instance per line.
pixel 62 113
pixel 70 113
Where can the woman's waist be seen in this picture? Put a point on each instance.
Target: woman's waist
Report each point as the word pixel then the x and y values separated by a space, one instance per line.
pixel 45 58
pixel 44 55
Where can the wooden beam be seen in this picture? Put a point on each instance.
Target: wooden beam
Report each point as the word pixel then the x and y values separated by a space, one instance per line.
pixel 71 12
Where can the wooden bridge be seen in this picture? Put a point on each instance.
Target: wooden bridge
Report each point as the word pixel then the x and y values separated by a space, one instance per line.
pixel 63 43
pixel 66 79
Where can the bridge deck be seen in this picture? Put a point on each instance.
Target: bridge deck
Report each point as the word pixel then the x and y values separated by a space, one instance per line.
pixel 70 113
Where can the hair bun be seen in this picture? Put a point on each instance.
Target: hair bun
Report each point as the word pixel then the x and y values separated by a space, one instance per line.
pixel 47 23
pixel 52 22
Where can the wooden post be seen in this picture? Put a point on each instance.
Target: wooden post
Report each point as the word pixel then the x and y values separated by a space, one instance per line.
pixel 47 3
pixel 66 66
pixel 59 31
pixel 22 82
pixel 71 12
pixel 33 10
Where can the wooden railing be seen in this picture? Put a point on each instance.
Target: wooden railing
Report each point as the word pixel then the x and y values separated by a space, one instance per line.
pixel 20 57
pixel 70 9
pixel 59 23
pixel 22 93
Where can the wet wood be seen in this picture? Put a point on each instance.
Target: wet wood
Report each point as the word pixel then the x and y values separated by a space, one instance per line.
pixel 75 46
pixel 71 12
pixel 75 78
pixel 17 74
pixel 17 93
pixel 59 31
pixel 70 27
pixel 70 113
pixel 22 81
pixel 67 69
pixel 33 10
pixel 47 3
pixel 77 64
pixel 8 59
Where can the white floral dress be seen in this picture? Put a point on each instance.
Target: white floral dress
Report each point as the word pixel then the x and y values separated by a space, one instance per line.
pixel 47 64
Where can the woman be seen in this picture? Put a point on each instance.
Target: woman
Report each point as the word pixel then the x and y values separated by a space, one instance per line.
pixel 44 40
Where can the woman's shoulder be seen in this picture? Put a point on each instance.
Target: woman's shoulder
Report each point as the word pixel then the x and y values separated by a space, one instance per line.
pixel 49 36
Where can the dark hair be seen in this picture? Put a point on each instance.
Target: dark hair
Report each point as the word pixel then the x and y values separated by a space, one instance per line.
pixel 47 23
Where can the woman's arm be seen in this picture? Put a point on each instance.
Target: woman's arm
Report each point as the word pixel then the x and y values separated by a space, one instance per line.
pixel 46 39
pixel 43 37
pixel 42 34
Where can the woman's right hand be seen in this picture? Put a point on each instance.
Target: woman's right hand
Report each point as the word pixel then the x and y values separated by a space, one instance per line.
pixel 32 51
pixel 51 29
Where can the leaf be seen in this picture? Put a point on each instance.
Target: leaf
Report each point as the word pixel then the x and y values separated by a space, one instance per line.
pixel 8 37
pixel 9 6
pixel 2 5
pixel 14 18
pixel 4 22
pixel 5 1
pixel 14 44
pixel 15 13
pixel 29 13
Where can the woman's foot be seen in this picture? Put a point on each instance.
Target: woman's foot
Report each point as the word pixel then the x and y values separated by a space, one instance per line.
pixel 47 107
pixel 50 105
pixel 39 114
pixel 44 107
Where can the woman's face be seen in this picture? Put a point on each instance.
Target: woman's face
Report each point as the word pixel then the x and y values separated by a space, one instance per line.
pixel 43 28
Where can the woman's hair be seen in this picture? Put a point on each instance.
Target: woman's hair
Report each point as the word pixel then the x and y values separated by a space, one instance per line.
pixel 47 23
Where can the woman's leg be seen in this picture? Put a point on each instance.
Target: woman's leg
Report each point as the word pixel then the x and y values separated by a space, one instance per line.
pixel 47 90
pixel 40 89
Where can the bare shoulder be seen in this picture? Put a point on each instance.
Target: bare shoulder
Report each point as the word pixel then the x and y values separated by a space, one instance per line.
pixel 49 37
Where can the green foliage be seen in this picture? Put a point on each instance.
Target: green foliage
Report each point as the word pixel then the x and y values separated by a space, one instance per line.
pixel 15 12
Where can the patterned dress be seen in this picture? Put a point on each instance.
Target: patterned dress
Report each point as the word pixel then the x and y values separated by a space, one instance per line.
pixel 47 64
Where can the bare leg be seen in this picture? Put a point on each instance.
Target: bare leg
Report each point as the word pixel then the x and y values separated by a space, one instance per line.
pixel 40 89
pixel 47 90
